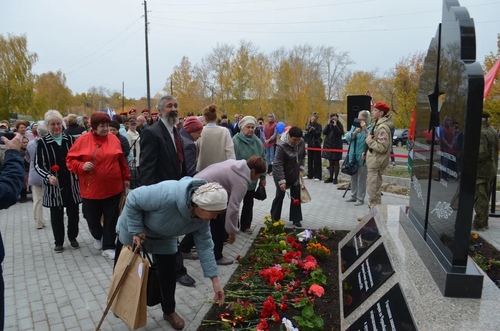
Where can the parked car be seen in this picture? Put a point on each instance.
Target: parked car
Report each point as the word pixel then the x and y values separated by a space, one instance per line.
pixel 400 137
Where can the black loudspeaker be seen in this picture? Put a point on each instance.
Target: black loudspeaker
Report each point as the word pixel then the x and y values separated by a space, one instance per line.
pixel 356 103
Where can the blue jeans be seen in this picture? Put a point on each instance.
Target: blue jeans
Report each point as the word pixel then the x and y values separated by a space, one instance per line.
pixel 270 154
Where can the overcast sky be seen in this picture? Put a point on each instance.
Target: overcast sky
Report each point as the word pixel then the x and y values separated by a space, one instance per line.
pixel 101 42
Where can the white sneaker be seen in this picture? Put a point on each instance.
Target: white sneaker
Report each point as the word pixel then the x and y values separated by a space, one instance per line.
pixel 109 253
pixel 316 179
pixel 98 244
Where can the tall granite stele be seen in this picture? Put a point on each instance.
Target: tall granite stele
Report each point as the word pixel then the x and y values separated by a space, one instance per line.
pixel 445 152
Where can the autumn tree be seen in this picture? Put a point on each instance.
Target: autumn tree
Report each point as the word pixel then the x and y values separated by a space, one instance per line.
pixel 407 74
pixel 241 76
pixel 262 84
pixel 492 102
pixel 51 92
pixel 334 70
pixel 97 98
pixel 16 78
pixel 219 62
pixel 187 90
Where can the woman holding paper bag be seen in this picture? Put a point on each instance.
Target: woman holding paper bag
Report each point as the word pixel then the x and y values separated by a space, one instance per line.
pixel 156 215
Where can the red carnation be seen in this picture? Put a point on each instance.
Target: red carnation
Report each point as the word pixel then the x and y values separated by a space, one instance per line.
pixel 296 202
pixel 54 168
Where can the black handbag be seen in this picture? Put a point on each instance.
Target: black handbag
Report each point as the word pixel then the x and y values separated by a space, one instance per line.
pixel 154 294
pixel 350 167
pixel 260 193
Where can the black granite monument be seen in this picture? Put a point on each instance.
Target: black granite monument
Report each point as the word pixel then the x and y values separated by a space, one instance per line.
pixel 445 152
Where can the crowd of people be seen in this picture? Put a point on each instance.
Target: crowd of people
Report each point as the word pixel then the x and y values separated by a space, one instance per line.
pixel 188 177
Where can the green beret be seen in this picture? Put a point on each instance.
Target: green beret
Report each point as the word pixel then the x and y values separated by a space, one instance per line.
pixel 486 114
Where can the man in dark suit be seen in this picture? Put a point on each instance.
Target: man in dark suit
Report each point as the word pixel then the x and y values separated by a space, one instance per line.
pixel 162 158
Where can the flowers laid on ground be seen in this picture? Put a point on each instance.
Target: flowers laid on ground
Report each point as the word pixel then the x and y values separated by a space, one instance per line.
pixel 476 246
pixel 278 284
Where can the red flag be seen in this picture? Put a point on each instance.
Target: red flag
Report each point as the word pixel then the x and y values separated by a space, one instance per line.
pixel 489 78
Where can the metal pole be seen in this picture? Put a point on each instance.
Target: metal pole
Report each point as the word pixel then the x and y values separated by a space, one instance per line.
pixel 147 53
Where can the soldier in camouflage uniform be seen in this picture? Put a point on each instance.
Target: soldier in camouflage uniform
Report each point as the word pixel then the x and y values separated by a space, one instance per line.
pixel 378 153
pixel 487 165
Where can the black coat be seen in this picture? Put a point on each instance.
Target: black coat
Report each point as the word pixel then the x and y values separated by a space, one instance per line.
pixel 333 139
pixel 158 159
pixel 75 130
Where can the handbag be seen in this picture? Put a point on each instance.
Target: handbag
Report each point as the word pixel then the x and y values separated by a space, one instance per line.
pixel 123 200
pixel 130 301
pixel 350 167
pixel 154 294
pixel 260 193
pixel 304 193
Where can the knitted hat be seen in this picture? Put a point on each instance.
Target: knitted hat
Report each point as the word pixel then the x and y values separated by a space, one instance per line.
pixel 382 106
pixel 211 196
pixel 247 120
pixel 192 124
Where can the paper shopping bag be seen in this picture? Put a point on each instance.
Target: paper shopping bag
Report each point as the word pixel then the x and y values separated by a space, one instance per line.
pixel 304 193
pixel 130 301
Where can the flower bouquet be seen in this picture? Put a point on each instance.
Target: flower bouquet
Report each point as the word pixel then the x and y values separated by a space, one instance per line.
pixel 55 170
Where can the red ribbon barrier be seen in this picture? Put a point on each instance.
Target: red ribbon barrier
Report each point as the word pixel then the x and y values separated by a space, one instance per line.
pixel 404 156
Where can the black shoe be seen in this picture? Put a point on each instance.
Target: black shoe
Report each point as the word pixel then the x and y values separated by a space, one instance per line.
pixel 297 224
pixel 186 280
pixel 335 182
pixel 74 244
pixel 58 249
pixel 329 180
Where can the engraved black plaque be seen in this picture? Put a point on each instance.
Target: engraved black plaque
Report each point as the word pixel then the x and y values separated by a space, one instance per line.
pixel 362 240
pixel 389 313
pixel 365 279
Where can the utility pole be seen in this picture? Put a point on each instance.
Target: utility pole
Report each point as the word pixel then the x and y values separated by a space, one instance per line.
pixel 123 97
pixel 147 53
pixel 171 87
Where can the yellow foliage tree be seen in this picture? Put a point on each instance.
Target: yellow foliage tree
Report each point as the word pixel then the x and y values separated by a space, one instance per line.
pixel 186 89
pixel 51 92
pixel 16 78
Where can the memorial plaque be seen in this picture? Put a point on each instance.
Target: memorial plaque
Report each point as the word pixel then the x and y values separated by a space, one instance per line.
pixel 389 313
pixel 446 143
pixel 365 279
pixel 362 240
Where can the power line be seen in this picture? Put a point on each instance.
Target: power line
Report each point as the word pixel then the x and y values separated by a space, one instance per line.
pixel 103 44
pixel 310 32
pixel 211 3
pixel 109 50
pixel 268 9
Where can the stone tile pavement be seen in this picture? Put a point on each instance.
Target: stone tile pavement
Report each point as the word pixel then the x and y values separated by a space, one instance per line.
pixel 68 291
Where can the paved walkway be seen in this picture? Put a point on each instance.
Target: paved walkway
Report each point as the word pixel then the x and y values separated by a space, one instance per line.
pixel 68 291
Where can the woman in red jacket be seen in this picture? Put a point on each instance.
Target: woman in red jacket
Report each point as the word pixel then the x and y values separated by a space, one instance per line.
pixel 98 160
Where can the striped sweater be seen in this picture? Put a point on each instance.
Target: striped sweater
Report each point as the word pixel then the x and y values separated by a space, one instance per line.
pixel 48 154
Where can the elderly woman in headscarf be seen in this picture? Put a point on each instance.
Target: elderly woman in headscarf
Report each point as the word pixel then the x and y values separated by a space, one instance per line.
pixel 155 215
pixel 61 188
pixel 97 158
pixel 357 136
pixel 247 144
